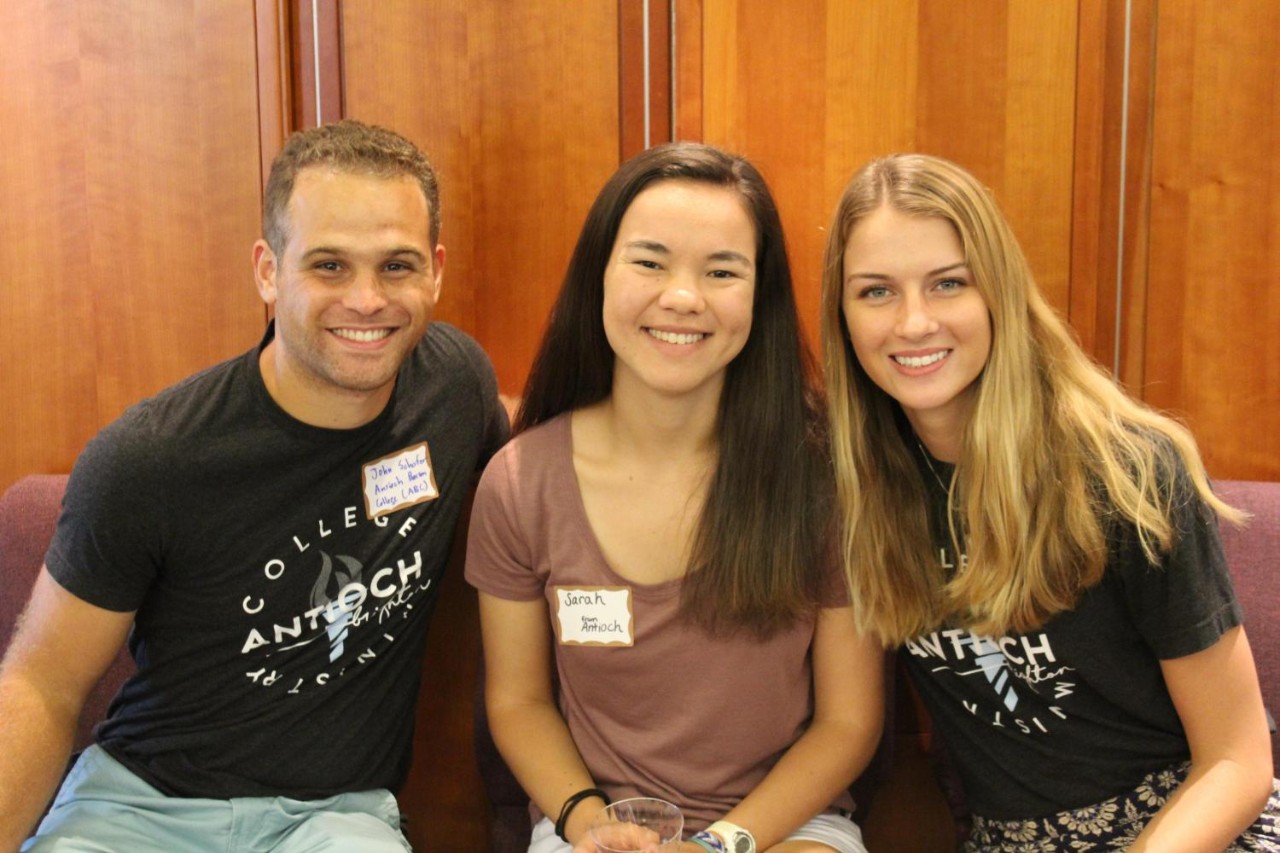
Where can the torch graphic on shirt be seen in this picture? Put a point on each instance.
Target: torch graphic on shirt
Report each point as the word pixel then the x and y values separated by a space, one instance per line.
pixel 335 610
pixel 993 664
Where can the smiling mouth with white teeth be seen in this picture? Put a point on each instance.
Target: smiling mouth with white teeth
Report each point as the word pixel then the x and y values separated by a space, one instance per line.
pixel 362 335
pixel 922 361
pixel 682 338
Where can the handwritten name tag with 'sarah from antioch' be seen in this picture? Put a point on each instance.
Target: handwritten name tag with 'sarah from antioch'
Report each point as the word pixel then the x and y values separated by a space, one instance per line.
pixel 403 479
pixel 594 616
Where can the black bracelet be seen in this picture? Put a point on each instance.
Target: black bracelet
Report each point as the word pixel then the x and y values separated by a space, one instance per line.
pixel 567 808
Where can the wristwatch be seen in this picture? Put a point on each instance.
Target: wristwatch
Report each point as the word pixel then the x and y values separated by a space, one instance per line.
pixel 737 839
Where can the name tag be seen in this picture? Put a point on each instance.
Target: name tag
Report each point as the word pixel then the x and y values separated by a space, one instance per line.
pixel 403 479
pixel 594 616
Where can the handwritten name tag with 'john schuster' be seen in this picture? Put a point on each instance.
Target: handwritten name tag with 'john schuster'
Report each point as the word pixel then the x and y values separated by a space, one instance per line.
pixel 402 479
pixel 594 616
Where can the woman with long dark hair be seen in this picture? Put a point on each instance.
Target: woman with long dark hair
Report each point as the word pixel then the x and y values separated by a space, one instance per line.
pixel 661 607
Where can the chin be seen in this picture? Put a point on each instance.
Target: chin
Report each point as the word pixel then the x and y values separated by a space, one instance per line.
pixel 362 382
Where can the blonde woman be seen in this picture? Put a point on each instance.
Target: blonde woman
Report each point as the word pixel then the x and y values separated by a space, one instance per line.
pixel 1041 546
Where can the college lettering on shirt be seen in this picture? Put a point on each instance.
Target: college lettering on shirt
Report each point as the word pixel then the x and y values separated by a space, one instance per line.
pixel 350 612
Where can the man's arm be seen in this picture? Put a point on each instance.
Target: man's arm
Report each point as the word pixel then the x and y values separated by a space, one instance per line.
pixel 60 649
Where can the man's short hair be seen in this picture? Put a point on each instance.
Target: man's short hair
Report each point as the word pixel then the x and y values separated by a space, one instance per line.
pixel 346 146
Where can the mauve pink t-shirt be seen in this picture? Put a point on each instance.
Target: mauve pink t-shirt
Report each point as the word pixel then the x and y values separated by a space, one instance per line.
pixel 680 715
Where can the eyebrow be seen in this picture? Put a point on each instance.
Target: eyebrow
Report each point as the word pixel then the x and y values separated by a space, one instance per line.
pixel 730 255
pixel 877 276
pixel 722 255
pixel 393 252
pixel 649 245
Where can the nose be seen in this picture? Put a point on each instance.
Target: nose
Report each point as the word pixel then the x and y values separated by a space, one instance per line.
pixel 682 295
pixel 915 317
pixel 365 294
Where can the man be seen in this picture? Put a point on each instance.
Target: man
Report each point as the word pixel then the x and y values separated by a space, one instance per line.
pixel 273 530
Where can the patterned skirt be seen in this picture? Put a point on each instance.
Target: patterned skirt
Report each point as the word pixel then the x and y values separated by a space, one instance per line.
pixel 1112 824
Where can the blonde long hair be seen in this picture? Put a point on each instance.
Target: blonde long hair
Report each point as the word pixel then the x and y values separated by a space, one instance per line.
pixel 1053 453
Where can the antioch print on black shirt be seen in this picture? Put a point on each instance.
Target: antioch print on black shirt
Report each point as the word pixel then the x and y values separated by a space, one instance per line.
pixel 1066 738
pixel 1077 712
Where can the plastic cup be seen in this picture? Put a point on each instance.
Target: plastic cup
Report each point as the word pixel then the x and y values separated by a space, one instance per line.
pixel 637 825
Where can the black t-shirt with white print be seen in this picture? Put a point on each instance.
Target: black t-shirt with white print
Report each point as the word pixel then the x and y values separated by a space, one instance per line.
pixel 283 574
pixel 1077 712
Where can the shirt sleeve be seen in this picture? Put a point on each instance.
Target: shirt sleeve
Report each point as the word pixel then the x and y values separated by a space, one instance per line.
pixel 496 424
pixel 107 546
pixel 499 554
pixel 1187 601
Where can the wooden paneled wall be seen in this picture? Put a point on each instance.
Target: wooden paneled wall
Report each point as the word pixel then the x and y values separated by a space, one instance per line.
pixel 517 103
pixel 131 171
pixel 812 91
pixel 1131 144
pixel 1206 331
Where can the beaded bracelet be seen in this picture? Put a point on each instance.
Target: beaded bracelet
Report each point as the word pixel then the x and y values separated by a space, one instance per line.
pixel 569 804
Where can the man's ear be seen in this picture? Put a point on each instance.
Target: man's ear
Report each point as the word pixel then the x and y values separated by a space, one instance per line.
pixel 438 269
pixel 264 271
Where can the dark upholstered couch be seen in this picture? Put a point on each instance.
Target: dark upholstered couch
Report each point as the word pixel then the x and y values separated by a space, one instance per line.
pixel 28 514
pixel 907 812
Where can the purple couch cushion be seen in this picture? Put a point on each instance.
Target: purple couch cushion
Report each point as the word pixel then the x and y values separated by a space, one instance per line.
pixel 28 513
pixel 1252 552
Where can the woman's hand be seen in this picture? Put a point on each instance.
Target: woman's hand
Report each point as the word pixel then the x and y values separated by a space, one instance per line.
pixel 626 838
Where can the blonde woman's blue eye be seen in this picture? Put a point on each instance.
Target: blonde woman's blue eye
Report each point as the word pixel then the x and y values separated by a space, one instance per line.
pixel 874 292
pixel 951 284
